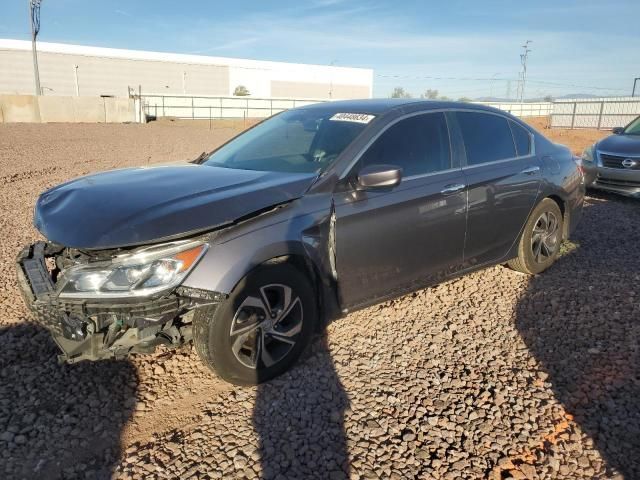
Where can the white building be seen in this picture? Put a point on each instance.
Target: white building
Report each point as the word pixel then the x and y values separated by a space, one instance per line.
pixel 91 71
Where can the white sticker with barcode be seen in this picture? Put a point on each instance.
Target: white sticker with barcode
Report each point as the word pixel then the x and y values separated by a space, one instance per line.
pixel 353 117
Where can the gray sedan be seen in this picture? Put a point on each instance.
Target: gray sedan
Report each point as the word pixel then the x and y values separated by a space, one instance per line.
pixel 613 164
pixel 311 214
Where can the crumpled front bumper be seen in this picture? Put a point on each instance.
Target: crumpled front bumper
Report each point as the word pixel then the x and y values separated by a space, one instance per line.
pixel 88 329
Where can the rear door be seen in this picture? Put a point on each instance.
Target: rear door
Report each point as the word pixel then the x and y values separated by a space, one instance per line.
pixel 503 176
pixel 390 241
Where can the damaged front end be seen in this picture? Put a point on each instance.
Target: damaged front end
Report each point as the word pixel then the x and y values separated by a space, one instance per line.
pixel 110 303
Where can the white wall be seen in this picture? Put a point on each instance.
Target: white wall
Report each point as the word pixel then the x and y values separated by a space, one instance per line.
pixel 108 71
pixel 40 109
pixel 525 109
pixel 605 112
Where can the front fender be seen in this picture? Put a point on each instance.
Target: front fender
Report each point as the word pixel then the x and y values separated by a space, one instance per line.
pixel 238 250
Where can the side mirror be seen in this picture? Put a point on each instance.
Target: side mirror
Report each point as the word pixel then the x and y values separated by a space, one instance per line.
pixel 618 130
pixel 373 177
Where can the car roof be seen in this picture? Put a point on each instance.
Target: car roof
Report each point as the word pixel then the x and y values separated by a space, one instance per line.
pixel 379 106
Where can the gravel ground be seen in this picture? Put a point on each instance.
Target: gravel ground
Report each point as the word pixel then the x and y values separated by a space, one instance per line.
pixel 493 375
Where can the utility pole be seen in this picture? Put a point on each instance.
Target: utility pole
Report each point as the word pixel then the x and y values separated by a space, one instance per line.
pixel 333 62
pixel 75 78
pixel 522 78
pixel 34 14
pixel 493 77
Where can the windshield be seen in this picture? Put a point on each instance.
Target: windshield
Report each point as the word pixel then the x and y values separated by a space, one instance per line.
pixel 633 128
pixel 295 141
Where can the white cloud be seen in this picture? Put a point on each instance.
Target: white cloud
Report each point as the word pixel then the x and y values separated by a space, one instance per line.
pixel 230 45
pixel 327 3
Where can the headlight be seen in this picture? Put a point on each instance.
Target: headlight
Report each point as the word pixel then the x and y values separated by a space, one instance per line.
pixel 588 154
pixel 144 272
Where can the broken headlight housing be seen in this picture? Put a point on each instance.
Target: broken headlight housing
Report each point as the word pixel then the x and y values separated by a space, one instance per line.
pixel 143 272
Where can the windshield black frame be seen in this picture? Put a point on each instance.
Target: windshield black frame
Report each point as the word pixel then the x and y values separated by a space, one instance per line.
pixel 303 140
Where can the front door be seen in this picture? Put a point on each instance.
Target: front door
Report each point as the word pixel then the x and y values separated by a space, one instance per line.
pixel 391 241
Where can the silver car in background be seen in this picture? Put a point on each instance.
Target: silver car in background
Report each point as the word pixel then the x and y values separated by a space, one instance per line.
pixel 613 164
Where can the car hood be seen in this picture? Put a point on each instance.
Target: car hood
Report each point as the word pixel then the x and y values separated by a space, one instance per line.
pixel 144 205
pixel 621 145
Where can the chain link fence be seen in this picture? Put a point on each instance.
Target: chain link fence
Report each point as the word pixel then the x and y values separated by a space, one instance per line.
pixel 601 113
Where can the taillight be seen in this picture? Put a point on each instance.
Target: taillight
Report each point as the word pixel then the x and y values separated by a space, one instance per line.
pixel 578 161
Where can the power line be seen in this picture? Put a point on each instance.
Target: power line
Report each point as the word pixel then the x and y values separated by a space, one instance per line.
pixel 505 79
pixel 428 77
pixel 542 82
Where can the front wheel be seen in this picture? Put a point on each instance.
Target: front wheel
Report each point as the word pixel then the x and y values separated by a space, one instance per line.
pixel 541 239
pixel 261 329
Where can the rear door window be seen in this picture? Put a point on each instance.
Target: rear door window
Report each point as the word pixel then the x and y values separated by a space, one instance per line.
pixel 487 137
pixel 522 139
pixel 418 144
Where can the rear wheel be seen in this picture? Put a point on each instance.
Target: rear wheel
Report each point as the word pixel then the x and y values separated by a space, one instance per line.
pixel 541 239
pixel 261 329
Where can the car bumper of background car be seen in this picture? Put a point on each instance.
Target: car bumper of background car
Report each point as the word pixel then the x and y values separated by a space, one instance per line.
pixel 623 182
pixel 90 329
pixel 590 171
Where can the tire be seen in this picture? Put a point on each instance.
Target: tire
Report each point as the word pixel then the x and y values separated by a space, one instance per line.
pixel 261 329
pixel 540 241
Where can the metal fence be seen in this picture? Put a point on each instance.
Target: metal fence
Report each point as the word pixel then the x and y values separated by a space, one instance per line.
pixel 205 108
pixel 525 109
pixel 601 113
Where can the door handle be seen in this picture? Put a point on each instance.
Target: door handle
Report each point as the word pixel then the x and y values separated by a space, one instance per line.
pixel 452 188
pixel 531 170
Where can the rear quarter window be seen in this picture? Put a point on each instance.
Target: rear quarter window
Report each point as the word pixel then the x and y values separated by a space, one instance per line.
pixel 487 137
pixel 522 139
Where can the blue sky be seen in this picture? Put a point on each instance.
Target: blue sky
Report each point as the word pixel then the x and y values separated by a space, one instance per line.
pixel 578 46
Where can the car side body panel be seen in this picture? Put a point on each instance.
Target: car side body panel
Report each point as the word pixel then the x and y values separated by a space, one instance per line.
pixel 303 226
pixel 390 240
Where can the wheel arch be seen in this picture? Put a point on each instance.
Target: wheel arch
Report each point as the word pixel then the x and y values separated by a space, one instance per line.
pixel 564 210
pixel 324 288
pixel 226 265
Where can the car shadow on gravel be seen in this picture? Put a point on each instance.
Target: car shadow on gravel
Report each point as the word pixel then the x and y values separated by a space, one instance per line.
pixel 581 321
pixel 299 420
pixel 59 421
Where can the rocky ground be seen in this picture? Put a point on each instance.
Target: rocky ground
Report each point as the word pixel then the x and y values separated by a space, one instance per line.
pixel 493 375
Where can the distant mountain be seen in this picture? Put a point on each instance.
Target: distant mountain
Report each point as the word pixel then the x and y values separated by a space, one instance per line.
pixel 539 99
pixel 579 95
pixel 494 99
pixel 506 100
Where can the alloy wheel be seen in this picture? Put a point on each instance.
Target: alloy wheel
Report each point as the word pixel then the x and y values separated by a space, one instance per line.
pixel 266 326
pixel 545 237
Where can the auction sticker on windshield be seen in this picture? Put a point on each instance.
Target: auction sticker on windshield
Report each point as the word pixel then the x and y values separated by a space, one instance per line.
pixel 353 117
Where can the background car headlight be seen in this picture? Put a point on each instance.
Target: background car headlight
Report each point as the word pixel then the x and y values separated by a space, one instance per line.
pixel 588 154
pixel 145 272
